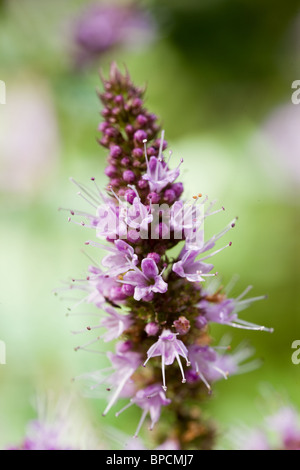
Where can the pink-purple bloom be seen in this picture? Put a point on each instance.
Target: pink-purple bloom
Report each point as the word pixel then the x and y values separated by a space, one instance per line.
pixel 138 216
pixel 101 287
pixel 115 324
pixel 149 296
pixel 226 312
pixel 146 280
pixel 124 364
pixel 158 174
pixel 150 400
pixel 210 366
pixel 169 348
pixel 120 259
pixel 191 269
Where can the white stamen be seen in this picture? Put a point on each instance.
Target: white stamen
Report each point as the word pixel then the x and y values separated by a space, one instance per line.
pixel 144 414
pixel 87 192
pixel 116 196
pixel 163 367
pixel 146 156
pixel 224 374
pixel 118 391
pixel 245 292
pixel 214 253
pixel 180 366
pixel 86 199
pixel 161 144
pixel 124 408
pixel 87 344
pixel 204 380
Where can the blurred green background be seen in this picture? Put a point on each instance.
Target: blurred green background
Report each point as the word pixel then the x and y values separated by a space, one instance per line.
pixel 219 74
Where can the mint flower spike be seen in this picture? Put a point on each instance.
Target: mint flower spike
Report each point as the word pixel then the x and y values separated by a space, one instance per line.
pixel 146 299
pixel 169 348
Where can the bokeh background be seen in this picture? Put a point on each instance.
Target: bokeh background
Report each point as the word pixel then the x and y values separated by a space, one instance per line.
pixel 219 74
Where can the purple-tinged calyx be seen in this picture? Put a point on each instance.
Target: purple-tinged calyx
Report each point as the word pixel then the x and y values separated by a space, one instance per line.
pixel 169 348
pixel 182 325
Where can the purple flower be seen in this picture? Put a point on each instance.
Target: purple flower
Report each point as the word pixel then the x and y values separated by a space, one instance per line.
pixel 138 216
pixel 115 324
pixel 150 400
pixel 146 281
pixel 158 173
pixel 110 221
pixel 187 221
pixel 124 364
pixel 225 312
pixel 190 269
pixel 209 366
pixel 102 287
pixel 121 258
pixel 169 348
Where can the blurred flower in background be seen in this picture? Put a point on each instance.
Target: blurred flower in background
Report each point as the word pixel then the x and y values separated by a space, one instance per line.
pixel 104 26
pixel 29 138
pixel 277 145
pixel 57 427
pixel 280 431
